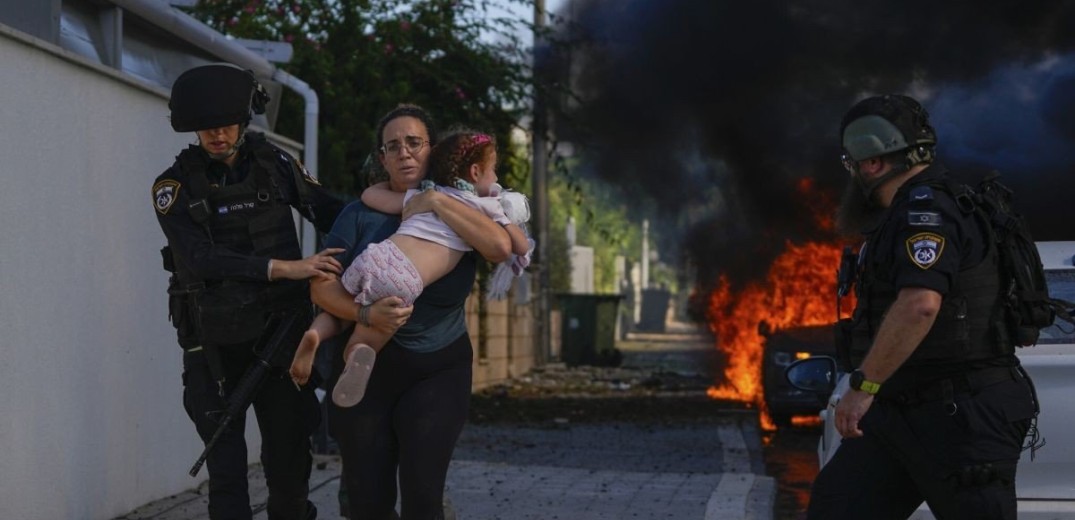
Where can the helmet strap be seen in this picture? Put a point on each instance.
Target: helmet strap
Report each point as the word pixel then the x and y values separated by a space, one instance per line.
pixel 870 187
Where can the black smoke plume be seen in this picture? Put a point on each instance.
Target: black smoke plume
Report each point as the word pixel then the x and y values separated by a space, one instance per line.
pixel 729 104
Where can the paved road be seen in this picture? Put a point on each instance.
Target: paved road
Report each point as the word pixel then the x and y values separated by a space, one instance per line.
pixel 638 442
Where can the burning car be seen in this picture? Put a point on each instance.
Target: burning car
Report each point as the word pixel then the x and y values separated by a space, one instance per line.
pixel 1045 484
pixel 780 349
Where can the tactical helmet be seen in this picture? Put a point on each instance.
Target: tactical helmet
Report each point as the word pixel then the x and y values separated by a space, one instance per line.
pixel 212 96
pixel 882 125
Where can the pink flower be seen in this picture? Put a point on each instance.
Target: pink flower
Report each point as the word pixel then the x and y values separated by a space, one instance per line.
pixel 232 21
pixel 288 38
pixel 459 93
pixel 388 48
pixel 405 25
pixel 296 9
pixel 249 9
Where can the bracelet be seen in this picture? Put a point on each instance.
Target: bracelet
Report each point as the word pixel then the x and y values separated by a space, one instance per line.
pixel 364 315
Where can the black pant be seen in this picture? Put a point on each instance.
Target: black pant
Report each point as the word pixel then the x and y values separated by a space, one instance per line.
pixel 409 421
pixel 958 455
pixel 286 418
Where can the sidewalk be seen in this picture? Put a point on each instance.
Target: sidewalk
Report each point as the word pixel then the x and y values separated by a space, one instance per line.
pixel 593 456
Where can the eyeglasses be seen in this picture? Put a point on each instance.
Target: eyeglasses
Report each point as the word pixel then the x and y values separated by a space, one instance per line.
pixel 412 143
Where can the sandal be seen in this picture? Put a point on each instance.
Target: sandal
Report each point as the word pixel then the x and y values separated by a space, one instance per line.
pixel 351 386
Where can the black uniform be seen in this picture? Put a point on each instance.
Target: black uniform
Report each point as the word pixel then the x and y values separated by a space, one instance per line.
pixel 948 426
pixel 223 225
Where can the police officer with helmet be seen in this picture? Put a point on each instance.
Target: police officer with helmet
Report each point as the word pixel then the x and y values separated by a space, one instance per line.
pixel 939 406
pixel 225 207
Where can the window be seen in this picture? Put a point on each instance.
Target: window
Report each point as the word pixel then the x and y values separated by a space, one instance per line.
pixel 1062 286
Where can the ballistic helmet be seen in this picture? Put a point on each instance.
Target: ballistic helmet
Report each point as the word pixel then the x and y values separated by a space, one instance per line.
pixel 882 125
pixel 212 96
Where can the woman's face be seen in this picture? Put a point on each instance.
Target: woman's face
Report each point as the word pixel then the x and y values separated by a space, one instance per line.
pixel 219 142
pixel 405 152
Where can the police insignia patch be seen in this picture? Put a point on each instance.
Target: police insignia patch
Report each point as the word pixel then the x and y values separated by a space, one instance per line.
pixel 164 195
pixel 925 249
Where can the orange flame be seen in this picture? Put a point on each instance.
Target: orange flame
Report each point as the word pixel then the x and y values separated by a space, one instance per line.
pixel 799 290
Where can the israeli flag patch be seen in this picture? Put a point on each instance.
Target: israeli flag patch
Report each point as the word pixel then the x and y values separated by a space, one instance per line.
pixel 924 249
pixel 923 218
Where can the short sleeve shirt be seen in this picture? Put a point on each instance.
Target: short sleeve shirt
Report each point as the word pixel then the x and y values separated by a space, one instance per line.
pixel 428 226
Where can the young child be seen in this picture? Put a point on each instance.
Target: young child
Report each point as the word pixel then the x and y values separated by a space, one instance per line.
pixel 420 252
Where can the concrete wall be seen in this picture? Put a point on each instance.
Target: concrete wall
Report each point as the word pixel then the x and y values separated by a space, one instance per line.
pixel 508 349
pixel 91 422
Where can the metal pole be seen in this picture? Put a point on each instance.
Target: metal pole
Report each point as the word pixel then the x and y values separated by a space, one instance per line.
pixel 307 233
pixel 542 336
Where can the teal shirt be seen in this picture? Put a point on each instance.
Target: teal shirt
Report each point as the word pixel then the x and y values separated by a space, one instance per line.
pixel 438 318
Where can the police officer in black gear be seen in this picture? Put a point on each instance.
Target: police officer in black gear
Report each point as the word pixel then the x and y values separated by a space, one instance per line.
pixel 225 207
pixel 939 406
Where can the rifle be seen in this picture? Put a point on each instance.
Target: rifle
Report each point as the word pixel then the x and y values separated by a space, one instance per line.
pixel 244 391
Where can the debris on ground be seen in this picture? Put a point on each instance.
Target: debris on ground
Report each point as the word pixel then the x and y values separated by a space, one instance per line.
pixel 556 395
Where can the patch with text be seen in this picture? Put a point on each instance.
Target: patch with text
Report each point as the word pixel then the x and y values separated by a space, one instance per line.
pixel 164 195
pixel 925 249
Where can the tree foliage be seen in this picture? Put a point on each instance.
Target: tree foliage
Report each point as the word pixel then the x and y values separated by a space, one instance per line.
pixel 363 57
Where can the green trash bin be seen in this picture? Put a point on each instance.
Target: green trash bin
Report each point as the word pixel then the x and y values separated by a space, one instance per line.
pixel 588 329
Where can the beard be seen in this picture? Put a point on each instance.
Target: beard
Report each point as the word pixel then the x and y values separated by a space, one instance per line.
pixel 856 212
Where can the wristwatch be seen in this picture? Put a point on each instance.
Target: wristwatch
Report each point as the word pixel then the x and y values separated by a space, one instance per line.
pixel 859 382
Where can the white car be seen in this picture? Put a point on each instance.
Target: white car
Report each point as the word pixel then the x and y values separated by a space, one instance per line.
pixel 1045 486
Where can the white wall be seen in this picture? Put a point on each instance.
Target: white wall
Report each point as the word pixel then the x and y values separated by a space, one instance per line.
pixel 91 419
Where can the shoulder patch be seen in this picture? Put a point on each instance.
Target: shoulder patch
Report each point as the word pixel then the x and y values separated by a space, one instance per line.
pixel 924 249
pixel 306 173
pixel 921 195
pixel 164 195
pixel 924 218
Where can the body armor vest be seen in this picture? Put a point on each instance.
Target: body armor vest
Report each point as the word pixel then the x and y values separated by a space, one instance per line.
pixel 250 216
pixel 966 328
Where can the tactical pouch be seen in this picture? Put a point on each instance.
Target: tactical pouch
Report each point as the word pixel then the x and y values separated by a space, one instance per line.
pixel 182 318
pixel 230 315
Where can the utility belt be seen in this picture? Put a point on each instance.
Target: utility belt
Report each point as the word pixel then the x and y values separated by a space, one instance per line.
pixel 908 392
pixel 228 313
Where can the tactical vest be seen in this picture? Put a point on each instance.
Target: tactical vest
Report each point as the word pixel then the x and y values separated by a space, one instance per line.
pixel 251 217
pixel 966 328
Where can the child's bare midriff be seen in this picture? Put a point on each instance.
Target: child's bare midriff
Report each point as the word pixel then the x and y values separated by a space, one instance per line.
pixel 431 259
